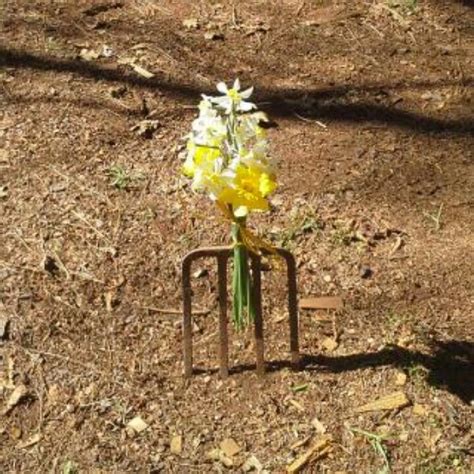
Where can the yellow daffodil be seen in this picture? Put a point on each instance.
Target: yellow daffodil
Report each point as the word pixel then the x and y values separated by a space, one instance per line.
pixel 228 159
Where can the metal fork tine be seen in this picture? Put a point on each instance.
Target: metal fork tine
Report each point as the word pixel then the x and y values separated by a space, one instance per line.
pixel 224 343
pixel 222 254
pixel 257 295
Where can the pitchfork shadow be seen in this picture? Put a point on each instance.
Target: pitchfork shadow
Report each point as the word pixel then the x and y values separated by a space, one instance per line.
pixel 450 367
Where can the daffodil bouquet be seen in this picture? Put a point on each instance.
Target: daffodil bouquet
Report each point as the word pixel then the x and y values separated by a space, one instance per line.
pixel 227 158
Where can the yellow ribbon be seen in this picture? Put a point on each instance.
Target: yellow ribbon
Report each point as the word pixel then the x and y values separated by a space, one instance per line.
pixel 251 241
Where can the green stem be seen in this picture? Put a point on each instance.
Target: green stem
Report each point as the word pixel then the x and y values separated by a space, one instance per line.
pixel 243 311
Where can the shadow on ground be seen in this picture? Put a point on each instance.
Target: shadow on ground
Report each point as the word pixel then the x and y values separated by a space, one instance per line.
pixel 450 367
pixel 278 100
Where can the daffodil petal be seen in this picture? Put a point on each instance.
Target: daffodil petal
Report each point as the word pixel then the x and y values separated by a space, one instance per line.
pixel 222 88
pixel 246 93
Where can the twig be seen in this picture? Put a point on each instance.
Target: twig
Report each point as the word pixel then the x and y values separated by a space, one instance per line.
pixel 201 312
pixel 317 122
pixel 98 232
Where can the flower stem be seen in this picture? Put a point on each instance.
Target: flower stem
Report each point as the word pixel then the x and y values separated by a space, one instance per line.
pixel 243 311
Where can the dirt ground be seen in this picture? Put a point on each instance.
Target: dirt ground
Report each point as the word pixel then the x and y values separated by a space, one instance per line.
pixel 373 107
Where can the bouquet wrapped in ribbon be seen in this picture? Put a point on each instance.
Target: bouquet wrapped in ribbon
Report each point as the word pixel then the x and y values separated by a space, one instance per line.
pixel 227 158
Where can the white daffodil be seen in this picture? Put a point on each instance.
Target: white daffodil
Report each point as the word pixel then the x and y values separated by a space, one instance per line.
pixel 232 99
pixel 228 159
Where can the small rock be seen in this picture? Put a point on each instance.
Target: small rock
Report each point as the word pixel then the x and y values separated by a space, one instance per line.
pixel 137 424
pixel 365 271
pixel 176 444
pixel 229 447
pixel 327 278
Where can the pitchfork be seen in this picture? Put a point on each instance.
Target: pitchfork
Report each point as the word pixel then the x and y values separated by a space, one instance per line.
pixel 222 255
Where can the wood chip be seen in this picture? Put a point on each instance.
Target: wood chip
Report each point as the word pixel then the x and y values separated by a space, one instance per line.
pixel 176 444
pixel 301 442
pixel 297 405
pixel 142 71
pixel 393 401
pixel 322 302
pixel 16 397
pixel 319 449
pixel 137 424
pixel 32 440
pixel 229 447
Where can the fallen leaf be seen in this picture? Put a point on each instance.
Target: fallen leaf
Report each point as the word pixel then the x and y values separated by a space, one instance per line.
pixel 15 432
pixel 252 463
pixel 393 401
pixel 319 427
pixel 137 424
pixel 176 444
pixel 401 378
pixel 420 410
pixel 146 128
pixel 330 344
pixel 32 440
pixel 319 449
pixel 16 397
pixel 299 388
pixel 229 447
pixel 191 23
pixel 88 54
pixel 403 436
pixel 217 455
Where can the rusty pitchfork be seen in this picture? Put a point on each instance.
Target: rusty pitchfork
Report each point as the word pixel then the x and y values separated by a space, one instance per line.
pixel 222 255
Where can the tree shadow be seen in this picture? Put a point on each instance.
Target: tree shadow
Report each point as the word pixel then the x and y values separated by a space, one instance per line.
pixel 326 103
pixel 450 367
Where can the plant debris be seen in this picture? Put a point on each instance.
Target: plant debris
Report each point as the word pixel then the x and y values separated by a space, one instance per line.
pixel 396 400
